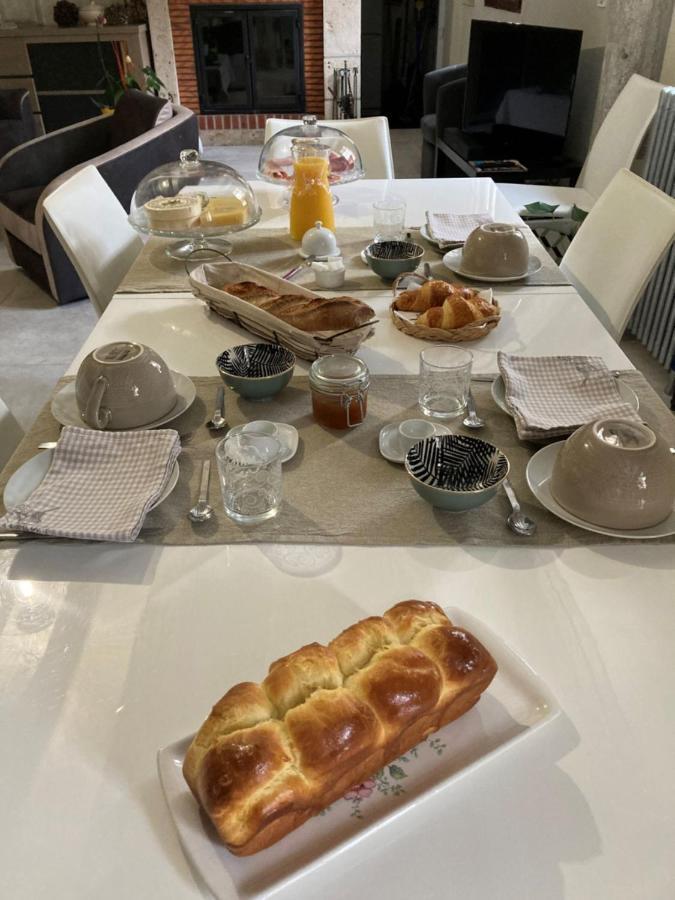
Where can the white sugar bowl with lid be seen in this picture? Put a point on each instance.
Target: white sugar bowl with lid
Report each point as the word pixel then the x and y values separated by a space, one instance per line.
pixel 319 241
pixel 616 474
pixel 124 385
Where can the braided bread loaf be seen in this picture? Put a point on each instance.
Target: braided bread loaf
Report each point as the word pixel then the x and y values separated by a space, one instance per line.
pixel 271 755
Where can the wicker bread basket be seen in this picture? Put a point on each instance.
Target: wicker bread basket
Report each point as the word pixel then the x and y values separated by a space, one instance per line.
pixel 471 332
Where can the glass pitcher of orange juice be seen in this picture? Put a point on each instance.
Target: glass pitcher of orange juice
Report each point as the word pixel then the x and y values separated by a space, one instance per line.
pixel 311 198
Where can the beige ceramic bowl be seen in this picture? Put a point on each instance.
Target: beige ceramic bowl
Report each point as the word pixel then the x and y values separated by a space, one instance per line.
pixel 124 385
pixel 496 249
pixel 615 474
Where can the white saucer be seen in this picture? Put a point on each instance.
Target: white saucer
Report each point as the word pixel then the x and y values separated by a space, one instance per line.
pixel 29 476
pixel 453 261
pixel 498 389
pixel 538 473
pixel 389 444
pixel 288 437
pixel 65 409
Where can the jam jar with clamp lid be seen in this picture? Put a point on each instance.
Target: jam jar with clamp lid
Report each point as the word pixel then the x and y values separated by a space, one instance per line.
pixel 339 385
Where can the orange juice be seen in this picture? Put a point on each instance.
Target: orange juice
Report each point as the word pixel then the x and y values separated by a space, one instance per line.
pixel 311 199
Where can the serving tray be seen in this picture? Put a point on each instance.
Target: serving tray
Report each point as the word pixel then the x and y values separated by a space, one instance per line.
pixel 205 281
pixel 516 707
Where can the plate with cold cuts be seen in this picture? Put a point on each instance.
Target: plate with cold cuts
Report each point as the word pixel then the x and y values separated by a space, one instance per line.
pixel 516 707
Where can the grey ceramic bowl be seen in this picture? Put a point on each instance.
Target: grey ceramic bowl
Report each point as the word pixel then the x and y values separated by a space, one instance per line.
pixel 256 371
pixel 456 472
pixel 496 249
pixel 389 259
pixel 616 474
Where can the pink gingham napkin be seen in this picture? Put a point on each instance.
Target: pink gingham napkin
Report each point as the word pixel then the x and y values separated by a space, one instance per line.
pixel 100 485
pixel 451 229
pixel 551 396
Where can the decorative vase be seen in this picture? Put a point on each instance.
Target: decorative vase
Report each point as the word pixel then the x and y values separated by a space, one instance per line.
pixel 91 13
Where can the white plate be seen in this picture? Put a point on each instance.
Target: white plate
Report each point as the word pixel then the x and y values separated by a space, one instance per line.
pixel 453 261
pixel 538 473
pixel 288 437
pixel 65 409
pixel 516 707
pixel 29 476
pixel 389 444
pixel 498 389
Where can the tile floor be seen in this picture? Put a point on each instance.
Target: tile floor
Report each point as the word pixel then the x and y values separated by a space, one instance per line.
pixel 39 339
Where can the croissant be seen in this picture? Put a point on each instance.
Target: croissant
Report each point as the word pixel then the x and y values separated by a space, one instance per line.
pixel 432 293
pixel 456 312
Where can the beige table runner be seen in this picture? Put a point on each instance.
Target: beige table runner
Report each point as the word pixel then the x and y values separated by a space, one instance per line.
pixel 338 489
pixel 273 250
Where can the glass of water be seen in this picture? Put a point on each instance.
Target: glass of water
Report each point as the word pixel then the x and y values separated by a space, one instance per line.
pixel 445 379
pixel 249 468
pixel 389 219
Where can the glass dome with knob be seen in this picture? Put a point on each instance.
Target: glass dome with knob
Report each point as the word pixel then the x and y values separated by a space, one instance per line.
pixel 276 159
pixel 196 200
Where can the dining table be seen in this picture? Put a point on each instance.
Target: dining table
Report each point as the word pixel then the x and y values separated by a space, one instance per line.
pixel 111 652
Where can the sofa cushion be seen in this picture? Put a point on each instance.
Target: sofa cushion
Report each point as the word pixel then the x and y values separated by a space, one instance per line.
pixel 428 126
pixel 137 113
pixel 23 201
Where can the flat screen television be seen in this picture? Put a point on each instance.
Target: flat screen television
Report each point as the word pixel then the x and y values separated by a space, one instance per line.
pixel 520 84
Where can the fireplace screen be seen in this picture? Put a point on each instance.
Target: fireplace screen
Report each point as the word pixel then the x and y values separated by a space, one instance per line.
pixel 249 58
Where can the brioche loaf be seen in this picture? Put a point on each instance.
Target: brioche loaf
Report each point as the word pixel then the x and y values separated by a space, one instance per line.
pixel 305 313
pixel 272 755
pixel 456 312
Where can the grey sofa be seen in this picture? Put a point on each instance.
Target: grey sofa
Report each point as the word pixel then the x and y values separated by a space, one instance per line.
pixel 17 122
pixel 443 101
pixel 143 133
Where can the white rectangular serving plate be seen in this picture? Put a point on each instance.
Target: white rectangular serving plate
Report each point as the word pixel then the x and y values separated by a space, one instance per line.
pixel 515 708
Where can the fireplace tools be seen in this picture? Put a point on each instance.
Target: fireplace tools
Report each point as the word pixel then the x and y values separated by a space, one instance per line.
pixel 344 95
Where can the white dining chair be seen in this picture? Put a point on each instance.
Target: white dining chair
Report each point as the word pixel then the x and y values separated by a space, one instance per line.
pixel 618 246
pixel 10 434
pixel 93 229
pixel 615 147
pixel 370 135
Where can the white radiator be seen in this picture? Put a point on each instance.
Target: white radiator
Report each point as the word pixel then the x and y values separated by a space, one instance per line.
pixel 653 321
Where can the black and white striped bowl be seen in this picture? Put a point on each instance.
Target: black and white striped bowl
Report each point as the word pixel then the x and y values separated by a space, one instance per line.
pixel 456 472
pixel 256 371
pixel 388 259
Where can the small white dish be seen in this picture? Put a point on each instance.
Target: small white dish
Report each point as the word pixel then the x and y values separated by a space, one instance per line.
pixel 287 435
pixel 498 391
pixel 453 261
pixel 30 475
pixel 65 410
pixel 390 444
pixel 538 473
pixel 516 708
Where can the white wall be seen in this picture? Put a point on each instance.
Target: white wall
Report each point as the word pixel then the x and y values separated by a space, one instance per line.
pixel 668 68
pixel 585 15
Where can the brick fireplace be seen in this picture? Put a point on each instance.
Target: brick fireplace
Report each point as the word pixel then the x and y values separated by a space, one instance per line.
pixel 186 71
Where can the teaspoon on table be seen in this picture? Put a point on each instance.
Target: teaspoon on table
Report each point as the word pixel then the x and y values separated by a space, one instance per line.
pixel 517 521
pixel 472 420
pixel 217 422
pixel 201 511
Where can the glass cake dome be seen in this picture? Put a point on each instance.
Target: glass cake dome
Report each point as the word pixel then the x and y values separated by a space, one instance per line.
pixel 197 200
pixel 276 160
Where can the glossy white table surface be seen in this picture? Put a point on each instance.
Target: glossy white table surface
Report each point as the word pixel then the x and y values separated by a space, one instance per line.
pixel 108 653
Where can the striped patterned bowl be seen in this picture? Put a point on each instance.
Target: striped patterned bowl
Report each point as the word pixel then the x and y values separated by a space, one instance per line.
pixel 389 259
pixel 456 472
pixel 256 371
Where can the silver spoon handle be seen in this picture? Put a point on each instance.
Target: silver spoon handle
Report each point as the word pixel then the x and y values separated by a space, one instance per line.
pixel 204 486
pixel 511 494
pixel 470 405
pixel 220 401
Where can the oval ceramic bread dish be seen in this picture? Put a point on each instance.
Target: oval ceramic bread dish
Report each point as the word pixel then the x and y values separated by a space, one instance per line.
pixel 272 755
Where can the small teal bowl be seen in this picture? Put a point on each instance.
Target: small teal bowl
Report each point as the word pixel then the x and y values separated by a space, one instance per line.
pixel 456 472
pixel 256 371
pixel 389 259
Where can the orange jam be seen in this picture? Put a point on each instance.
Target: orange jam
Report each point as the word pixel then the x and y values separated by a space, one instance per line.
pixel 339 386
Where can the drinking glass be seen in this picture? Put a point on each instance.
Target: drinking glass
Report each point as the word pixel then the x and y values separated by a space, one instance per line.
pixel 389 219
pixel 445 378
pixel 249 469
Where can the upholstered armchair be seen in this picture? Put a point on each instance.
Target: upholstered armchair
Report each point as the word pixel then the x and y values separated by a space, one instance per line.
pixel 443 99
pixel 144 132
pixel 17 123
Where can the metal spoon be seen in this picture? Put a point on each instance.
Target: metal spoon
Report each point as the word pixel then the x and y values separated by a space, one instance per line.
pixel 294 271
pixel 472 420
pixel 202 512
pixel 517 521
pixel 217 422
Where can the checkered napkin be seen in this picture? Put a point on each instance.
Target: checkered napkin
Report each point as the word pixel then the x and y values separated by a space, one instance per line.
pixel 450 230
pixel 100 485
pixel 551 396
